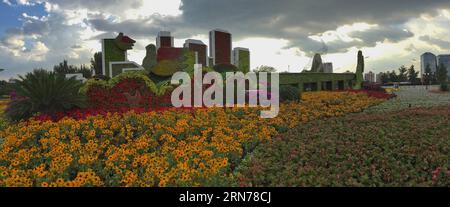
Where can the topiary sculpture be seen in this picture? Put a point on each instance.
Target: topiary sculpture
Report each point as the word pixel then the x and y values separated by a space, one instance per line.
pixel 317 65
pixel 149 61
pixel 359 72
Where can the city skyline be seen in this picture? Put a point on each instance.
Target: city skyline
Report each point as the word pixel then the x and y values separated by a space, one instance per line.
pixel 433 61
pixel 43 33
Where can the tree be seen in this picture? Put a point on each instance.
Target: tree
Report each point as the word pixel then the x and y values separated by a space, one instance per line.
pixel 427 75
pixel 393 77
pixel 384 77
pixel 264 68
pixel 442 76
pixel 402 76
pixel 87 72
pixel 97 63
pixel 5 88
pixel 44 92
pixel 64 68
pixel 412 75
pixel 442 73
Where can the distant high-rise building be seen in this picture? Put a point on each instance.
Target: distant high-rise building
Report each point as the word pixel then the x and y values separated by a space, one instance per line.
pixel 428 59
pixel 165 49
pixel 164 39
pixel 241 59
pixel 328 67
pixel 369 77
pixel 445 60
pixel 200 50
pixel 220 45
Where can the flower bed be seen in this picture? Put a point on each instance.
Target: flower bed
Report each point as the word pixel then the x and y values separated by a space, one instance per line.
pixel 3 122
pixel 126 91
pixel 3 105
pixel 406 148
pixel 380 94
pixel 80 114
pixel 168 148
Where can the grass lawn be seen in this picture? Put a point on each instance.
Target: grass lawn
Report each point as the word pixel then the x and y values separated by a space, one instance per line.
pixel 414 96
pixel 403 148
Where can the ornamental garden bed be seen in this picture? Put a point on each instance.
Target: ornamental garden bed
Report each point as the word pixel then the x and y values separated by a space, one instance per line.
pixel 404 148
pixel 167 148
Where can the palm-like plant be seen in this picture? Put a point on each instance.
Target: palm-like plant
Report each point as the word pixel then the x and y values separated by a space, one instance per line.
pixel 44 92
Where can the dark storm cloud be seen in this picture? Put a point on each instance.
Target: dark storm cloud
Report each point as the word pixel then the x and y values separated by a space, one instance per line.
pixel 275 19
pixel 35 27
pixel 293 20
pixel 137 27
pixel 383 33
pixel 315 16
pixel 437 42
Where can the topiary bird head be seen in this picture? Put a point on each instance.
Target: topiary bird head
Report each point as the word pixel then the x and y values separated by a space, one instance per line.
pixel 124 42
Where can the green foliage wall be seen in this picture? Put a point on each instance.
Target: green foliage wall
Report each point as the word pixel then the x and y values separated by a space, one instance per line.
pixel 298 79
pixel 112 54
pixel 165 68
pixel 244 61
pixel 117 68
pixel 187 61
pixel 158 89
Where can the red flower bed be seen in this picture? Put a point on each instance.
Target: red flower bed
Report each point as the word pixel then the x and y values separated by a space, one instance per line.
pixel 373 87
pixel 98 97
pixel 375 94
pixel 129 93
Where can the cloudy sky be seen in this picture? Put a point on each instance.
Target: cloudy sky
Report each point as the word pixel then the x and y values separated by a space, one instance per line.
pixel 283 33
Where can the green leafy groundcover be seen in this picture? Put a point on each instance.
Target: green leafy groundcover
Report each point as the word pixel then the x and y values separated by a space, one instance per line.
pixel 404 148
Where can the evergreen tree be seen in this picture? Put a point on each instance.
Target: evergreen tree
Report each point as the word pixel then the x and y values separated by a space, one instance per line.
pixel 402 76
pixel 385 77
pixel 412 75
pixel 442 76
pixel 393 77
pixel 427 75
pixel 97 63
pixel 64 68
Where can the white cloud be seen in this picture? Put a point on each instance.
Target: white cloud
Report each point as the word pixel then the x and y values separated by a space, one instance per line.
pixel 150 7
pixel 279 35
pixel 7 2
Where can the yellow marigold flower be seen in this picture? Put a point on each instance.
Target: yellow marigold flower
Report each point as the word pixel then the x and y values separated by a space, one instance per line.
pixel 44 184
